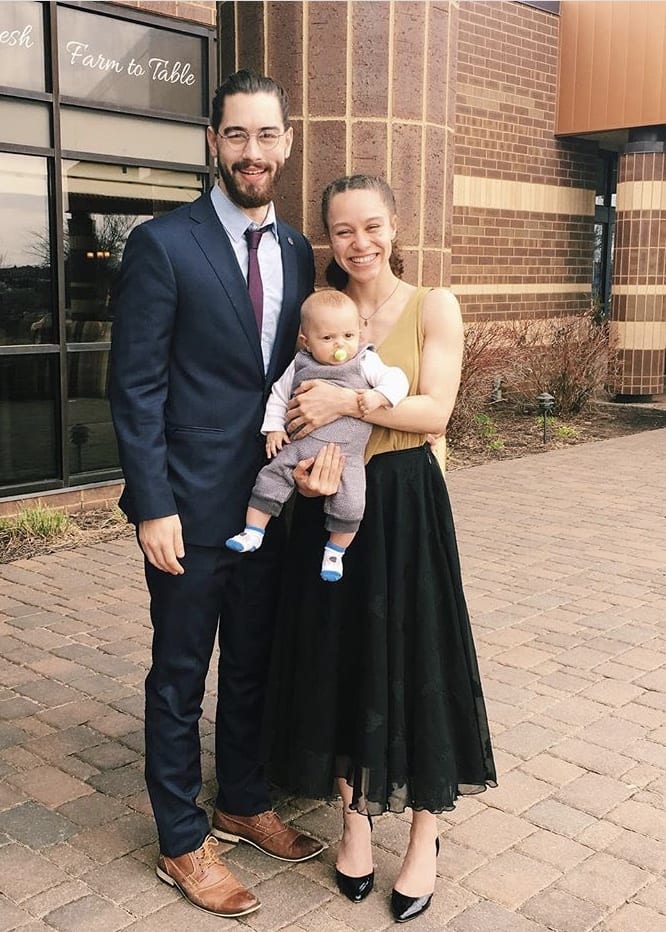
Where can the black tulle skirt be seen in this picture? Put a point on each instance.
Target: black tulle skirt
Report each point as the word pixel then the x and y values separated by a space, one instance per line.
pixel 375 677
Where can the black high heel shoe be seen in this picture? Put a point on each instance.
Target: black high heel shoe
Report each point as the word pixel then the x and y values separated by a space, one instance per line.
pixel 406 907
pixel 355 888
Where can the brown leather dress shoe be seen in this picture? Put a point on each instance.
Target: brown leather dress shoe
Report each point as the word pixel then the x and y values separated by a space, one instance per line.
pixel 267 832
pixel 206 882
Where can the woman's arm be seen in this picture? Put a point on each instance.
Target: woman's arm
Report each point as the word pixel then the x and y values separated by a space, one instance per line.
pixel 441 364
pixel 317 402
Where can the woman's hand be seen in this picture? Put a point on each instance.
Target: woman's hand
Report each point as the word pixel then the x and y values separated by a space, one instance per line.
pixel 316 403
pixel 320 475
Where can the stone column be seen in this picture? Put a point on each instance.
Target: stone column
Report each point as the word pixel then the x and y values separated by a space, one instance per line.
pixel 372 89
pixel 639 267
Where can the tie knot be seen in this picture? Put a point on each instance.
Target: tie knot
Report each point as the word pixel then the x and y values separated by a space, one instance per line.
pixel 253 236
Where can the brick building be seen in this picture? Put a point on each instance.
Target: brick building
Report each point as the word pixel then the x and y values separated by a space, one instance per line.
pixel 523 141
pixel 523 200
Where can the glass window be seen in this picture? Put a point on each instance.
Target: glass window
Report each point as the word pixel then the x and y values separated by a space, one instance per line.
pixel 103 204
pixel 113 61
pixel 90 435
pixel 25 122
pixel 28 451
pixel 26 312
pixel 604 233
pixel 22 45
pixel 131 137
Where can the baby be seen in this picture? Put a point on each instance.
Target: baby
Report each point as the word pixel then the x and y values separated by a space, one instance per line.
pixel 330 340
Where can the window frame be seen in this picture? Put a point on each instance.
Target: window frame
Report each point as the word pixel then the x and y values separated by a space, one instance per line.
pixel 55 155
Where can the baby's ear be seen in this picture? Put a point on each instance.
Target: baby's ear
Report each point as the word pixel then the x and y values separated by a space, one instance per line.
pixel 302 340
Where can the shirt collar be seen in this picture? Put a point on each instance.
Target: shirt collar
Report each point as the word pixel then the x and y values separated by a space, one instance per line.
pixel 234 220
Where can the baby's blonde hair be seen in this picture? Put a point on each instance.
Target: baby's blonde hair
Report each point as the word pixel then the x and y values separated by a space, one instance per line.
pixel 326 297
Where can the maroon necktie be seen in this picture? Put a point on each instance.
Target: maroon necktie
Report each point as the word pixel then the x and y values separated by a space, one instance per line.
pixel 254 285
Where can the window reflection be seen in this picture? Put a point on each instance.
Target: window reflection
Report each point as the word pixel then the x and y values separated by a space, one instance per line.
pixel 27 419
pixel 25 252
pixel 604 233
pixel 90 435
pixel 103 204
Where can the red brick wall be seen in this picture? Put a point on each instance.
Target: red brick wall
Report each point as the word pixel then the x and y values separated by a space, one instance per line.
pixel 197 11
pixel 505 118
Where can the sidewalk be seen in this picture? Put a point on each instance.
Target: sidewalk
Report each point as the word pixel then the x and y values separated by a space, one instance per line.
pixel 564 557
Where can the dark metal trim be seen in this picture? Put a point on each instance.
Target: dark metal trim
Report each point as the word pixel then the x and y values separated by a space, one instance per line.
pixel 211 51
pixel 126 160
pixel 161 115
pixel 25 95
pixel 18 149
pixel 644 145
pixel 30 349
pixel 548 6
pixel 105 477
pixel 21 490
pixel 226 18
pixel 58 220
pixel 102 346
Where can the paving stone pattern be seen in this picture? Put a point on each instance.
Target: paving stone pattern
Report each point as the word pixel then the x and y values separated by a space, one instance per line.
pixel 564 556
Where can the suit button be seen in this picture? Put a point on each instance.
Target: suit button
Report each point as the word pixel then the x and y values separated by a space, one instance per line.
pixel 259 435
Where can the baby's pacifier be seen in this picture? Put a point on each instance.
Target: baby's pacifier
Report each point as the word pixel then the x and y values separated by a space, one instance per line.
pixel 340 355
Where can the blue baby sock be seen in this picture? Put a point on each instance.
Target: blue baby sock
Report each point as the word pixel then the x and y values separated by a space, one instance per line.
pixel 248 540
pixel 331 565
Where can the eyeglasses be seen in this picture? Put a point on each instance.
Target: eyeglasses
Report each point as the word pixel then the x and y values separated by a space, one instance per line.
pixel 239 138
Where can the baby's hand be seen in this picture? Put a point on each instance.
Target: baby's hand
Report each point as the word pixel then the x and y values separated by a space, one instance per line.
pixel 369 400
pixel 275 440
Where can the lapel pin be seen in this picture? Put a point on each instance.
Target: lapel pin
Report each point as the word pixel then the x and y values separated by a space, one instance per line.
pixel 290 241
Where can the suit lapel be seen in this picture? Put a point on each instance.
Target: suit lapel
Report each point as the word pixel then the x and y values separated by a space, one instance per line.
pixel 214 243
pixel 289 307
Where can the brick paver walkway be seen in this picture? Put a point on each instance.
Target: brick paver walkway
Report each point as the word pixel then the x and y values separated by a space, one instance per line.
pixel 564 557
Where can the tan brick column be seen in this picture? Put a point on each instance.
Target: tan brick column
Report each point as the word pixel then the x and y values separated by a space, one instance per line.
pixel 372 90
pixel 639 267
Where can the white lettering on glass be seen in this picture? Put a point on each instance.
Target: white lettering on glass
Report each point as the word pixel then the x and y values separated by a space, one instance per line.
pixel 159 69
pixel 134 68
pixel 178 73
pixel 80 55
pixel 22 38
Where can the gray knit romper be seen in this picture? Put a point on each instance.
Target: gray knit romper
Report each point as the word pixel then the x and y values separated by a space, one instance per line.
pixel 275 481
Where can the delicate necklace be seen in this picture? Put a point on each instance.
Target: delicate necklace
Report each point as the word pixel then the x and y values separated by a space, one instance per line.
pixel 379 306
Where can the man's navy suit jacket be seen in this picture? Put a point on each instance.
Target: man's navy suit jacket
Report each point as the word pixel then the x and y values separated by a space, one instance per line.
pixel 187 385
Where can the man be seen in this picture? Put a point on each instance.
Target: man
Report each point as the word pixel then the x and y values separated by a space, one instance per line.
pixel 206 319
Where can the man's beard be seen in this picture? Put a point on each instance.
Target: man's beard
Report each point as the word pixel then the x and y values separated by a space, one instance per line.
pixel 252 196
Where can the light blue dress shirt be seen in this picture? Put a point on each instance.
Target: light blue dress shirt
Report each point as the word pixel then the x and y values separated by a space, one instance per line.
pixel 236 222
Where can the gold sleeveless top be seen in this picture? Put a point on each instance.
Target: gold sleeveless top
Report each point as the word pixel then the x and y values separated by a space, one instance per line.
pixel 402 347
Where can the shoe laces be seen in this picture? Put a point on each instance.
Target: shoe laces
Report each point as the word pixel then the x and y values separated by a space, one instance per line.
pixel 267 819
pixel 207 853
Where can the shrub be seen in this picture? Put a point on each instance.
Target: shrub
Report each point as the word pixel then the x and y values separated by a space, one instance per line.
pixel 574 359
pixel 490 359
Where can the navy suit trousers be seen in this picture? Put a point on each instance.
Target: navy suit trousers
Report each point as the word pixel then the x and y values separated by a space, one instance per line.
pixel 233 596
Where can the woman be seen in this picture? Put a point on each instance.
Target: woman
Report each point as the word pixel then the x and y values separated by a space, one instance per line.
pixel 377 681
